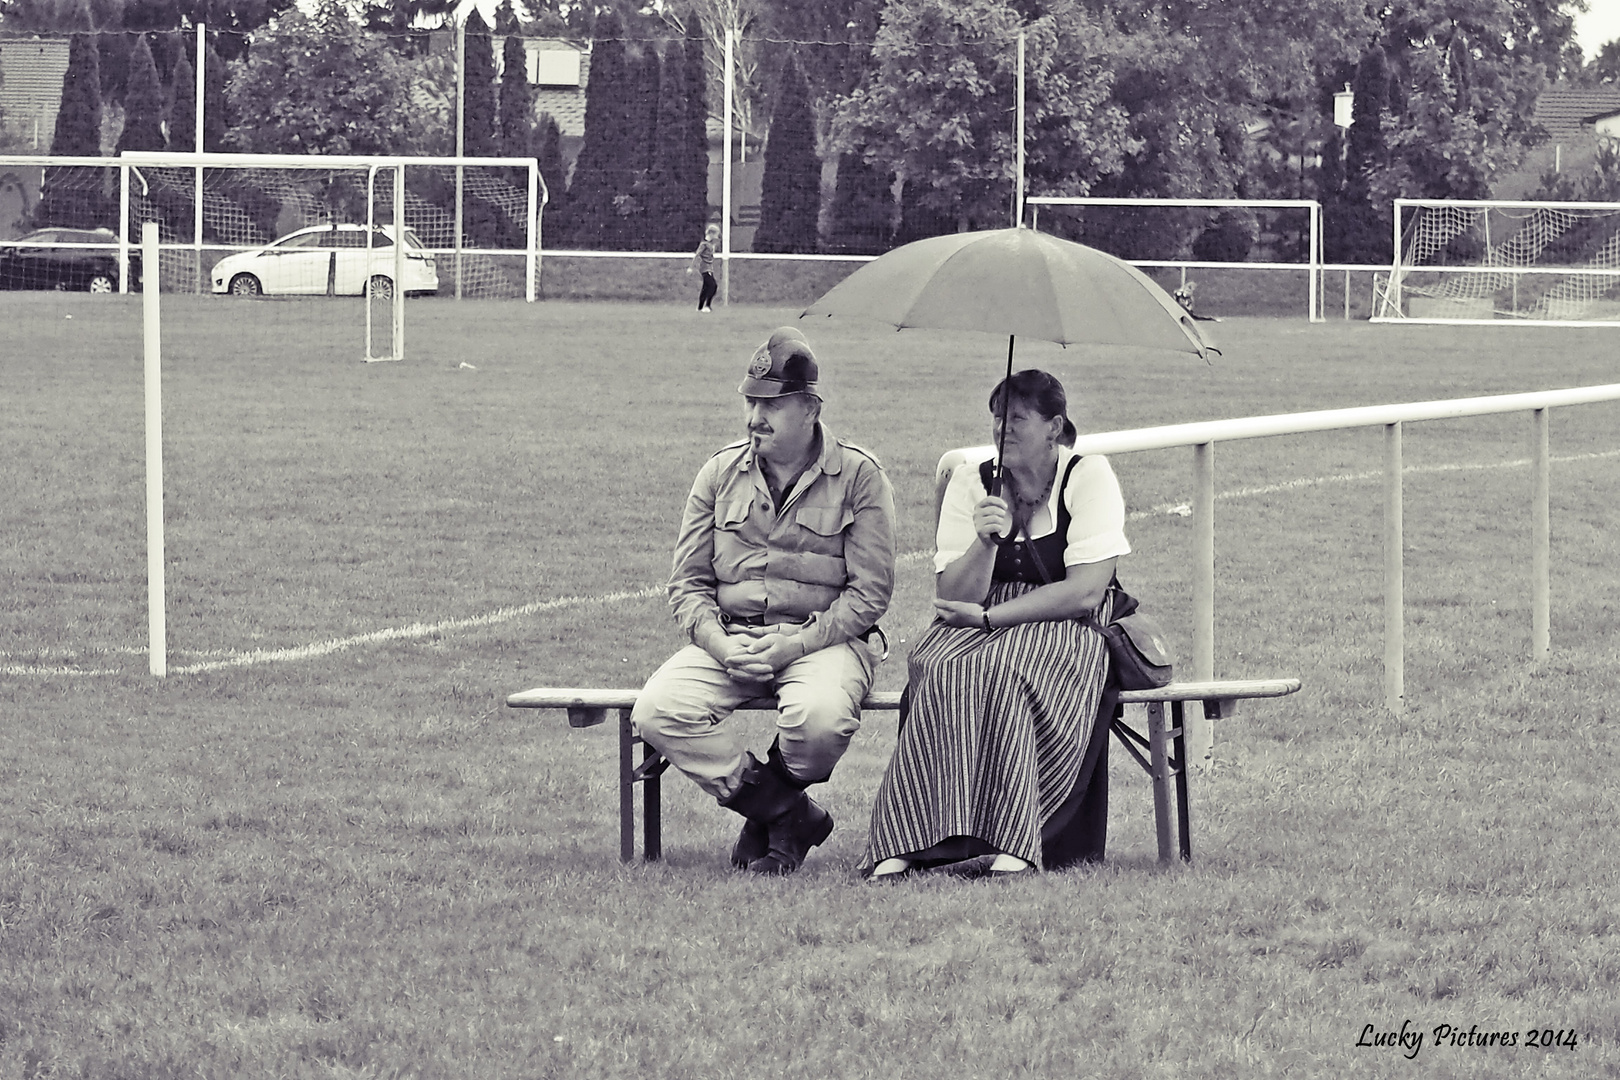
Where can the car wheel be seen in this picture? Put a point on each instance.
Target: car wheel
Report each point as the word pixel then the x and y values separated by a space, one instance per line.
pixel 245 285
pixel 102 283
pixel 382 287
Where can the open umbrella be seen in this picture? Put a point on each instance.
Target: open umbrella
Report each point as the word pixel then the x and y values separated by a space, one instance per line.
pixel 1017 282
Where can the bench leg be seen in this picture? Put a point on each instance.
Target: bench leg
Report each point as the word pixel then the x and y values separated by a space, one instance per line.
pixel 652 813
pixel 627 788
pixel 1179 766
pixel 1158 757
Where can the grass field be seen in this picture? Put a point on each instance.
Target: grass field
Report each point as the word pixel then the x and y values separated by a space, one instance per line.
pixel 322 847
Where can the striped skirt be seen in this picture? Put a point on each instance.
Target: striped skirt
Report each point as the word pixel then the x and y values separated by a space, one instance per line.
pixel 993 743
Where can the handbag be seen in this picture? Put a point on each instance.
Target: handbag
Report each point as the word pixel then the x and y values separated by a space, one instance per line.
pixel 1138 651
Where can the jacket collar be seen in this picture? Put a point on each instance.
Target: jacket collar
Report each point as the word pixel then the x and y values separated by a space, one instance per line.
pixel 831 461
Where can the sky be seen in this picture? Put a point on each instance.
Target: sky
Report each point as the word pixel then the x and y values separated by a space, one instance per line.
pixel 1597 26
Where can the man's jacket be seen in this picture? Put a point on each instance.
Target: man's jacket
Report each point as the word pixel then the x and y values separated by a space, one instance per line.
pixel 825 558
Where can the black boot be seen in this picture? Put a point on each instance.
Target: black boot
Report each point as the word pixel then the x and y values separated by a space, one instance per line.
pixel 752 843
pixel 806 825
pixel 754 840
pixel 792 821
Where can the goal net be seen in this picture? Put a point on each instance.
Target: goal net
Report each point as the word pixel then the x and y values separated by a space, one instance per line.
pixel 1218 256
pixel 1482 261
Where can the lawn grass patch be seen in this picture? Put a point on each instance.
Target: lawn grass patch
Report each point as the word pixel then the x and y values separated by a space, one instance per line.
pixel 338 854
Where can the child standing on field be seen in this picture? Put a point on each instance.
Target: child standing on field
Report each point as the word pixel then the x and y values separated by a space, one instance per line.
pixel 703 260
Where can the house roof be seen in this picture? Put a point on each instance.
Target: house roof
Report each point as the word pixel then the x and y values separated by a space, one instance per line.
pixel 31 71
pixel 1565 110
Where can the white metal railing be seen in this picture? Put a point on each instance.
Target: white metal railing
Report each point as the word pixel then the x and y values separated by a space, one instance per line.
pixel 1203 436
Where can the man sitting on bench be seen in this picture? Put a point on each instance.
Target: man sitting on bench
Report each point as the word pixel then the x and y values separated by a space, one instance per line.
pixel 783 566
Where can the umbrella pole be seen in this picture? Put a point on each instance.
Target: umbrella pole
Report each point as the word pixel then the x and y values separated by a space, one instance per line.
pixel 1006 403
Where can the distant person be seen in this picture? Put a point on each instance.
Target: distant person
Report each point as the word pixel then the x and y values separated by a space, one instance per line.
pixel 1007 684
pixel 703 260
pixel 783 566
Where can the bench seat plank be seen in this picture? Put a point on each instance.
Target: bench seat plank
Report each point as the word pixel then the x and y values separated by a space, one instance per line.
pixel 598 698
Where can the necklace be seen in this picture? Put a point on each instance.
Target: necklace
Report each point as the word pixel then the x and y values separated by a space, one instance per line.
pixel 1037 500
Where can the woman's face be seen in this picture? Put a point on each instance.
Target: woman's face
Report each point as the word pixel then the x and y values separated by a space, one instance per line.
pixel 1031 437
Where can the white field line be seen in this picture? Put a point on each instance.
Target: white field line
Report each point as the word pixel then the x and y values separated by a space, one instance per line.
pixel 507 614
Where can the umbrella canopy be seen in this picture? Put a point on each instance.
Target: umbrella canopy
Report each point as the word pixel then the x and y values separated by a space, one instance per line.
pixel 1017 282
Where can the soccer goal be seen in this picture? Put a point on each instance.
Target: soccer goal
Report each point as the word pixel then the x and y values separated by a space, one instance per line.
pixel 1475 261
pixel 1236 244
pixel 379 228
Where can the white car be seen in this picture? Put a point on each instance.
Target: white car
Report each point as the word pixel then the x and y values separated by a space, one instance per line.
pixel 300 263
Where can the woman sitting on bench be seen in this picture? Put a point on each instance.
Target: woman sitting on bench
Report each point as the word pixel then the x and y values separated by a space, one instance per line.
pixel 1006 685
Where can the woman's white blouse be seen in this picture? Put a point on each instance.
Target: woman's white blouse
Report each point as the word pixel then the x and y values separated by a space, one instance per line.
pixel 1096 509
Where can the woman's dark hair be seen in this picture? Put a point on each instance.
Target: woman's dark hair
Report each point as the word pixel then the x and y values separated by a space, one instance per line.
pixel 1040 391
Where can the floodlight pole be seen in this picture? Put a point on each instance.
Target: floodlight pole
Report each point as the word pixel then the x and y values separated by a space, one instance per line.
pixel 461 134
pixel 157 628
pixel 1018 197
pixel 725 179
pixel 197 129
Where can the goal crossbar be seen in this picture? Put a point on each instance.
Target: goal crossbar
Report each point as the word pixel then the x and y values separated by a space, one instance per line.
pixel 1313 264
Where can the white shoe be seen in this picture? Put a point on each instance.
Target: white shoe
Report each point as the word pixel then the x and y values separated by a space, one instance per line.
pixel 890 868
pixel 1009 864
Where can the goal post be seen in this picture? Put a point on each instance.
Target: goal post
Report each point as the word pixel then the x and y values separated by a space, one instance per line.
pixel 1308 245
pixel 1488 260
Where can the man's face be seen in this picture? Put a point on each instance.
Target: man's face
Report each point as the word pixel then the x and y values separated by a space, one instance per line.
pixel 781 428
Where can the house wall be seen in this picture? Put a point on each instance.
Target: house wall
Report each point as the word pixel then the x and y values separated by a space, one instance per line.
pixel 31 73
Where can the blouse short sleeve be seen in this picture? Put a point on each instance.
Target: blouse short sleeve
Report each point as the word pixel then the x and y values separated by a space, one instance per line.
pixel 1097 513
pixel 955 533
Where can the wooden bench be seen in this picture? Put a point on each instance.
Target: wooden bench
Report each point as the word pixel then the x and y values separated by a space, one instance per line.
pixel 1165 758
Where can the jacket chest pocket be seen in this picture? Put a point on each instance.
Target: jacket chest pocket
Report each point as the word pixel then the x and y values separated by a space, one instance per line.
pixel 732 515
pixel 823 527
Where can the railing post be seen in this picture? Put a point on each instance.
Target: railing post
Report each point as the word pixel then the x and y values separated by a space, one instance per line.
pixel 1200 735
pixel 1541 544
pixel 1394 584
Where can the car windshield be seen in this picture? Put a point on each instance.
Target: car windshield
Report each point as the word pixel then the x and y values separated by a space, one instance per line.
pixel 301 240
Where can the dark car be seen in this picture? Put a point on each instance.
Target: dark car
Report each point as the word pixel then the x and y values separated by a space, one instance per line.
pixel 56 258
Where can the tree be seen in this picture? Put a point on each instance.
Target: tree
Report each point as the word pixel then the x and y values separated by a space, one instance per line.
pixel 405 21
pixel 862 208
pixel 517 101
pixel 78 120
pixel 548 149
pixel 936 107
pixel 216 104
pixel 70 195
pixel 316 83
pixel 143 103
pixel 1462 83
pixel 601 175
pixel 1605 66
pixel 678 192
pixel 832 42
pixel 790 195
pixel 183 111
pixel 634 208
pixel 710 20
pixel 479 132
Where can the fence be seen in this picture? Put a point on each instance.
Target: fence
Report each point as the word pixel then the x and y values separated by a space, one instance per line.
pixel 1203 436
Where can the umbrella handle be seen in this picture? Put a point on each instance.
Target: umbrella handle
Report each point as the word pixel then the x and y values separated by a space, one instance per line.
pixel 1001 436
